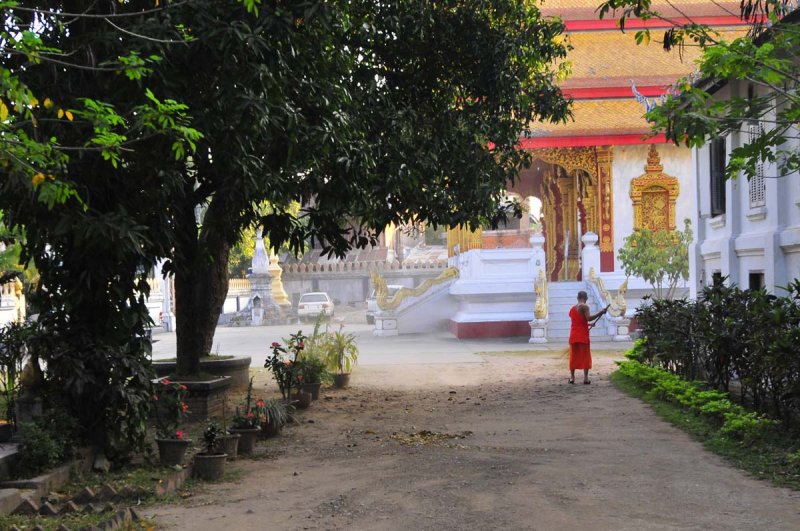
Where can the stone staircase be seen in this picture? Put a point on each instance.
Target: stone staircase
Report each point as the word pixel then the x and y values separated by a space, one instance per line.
pixel 562 297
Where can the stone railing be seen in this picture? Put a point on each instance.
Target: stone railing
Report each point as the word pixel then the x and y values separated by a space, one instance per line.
pixel 344 267
pixel 238 286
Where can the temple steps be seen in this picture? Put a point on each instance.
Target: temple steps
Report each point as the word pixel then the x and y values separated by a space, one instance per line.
pixel 561 297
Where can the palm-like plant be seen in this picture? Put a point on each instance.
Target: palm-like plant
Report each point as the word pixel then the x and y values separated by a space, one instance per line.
pixel 341 352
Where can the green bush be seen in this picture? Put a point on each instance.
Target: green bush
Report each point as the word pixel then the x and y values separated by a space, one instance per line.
pixel 733 419
pixel 46 443
pixel 729 335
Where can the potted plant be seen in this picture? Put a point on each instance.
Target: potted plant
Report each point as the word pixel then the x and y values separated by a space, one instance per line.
pixel 341 354
pixel 13 341
pixel 228 443
pixel 246 421
pixel 210 463
pixel 169 410
pixel 312 373
pixel 276 415
pixel 283 364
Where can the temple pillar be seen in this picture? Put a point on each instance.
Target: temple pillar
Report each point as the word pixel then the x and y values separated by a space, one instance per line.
pixel 591 255
pixel 605 197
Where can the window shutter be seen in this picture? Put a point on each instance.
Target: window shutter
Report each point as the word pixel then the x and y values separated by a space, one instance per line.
pixel 757 184
pixel 717 171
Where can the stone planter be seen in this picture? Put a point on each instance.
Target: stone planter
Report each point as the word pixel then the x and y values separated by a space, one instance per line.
pixel 229 444
pixel 238 368
pixel 341 380
pixel 312 388
pixel 172 451
pixel 247 441
pixel 205 398
pixel 209 467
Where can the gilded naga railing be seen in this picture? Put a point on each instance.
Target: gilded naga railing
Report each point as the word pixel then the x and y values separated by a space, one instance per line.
pixel 382 292
pixel 617 305
pixel 540 308
pixel 465 238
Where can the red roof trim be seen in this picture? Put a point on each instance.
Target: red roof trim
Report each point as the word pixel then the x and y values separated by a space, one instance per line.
pixel 595 93
pixel 610 23
pixel 590 140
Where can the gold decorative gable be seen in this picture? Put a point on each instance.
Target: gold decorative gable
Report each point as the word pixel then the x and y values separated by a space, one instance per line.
pixel 570 159
pixel 654 195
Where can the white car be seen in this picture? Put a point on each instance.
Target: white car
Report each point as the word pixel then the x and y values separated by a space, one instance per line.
pixel 311 305
pixel 372 302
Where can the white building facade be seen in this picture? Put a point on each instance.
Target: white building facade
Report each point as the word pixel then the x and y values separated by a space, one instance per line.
pixel 747 231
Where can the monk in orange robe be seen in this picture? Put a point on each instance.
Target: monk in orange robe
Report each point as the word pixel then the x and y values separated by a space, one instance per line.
pixel 580 355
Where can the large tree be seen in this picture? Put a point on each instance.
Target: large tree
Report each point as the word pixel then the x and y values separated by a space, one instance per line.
pixel 82 143
pixel 365 112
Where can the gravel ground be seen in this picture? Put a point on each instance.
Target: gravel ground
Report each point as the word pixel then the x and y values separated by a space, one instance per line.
pixel 504 443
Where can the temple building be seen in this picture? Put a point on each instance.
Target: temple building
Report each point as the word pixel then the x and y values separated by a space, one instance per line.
pixel 594 181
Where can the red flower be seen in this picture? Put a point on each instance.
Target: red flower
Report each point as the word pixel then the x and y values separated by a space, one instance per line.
pixel 301 345
pixel 155 397
pixel 179 434
pixel 183 387
pixel 184 407
pixel 165 381
pixel 260 403
pixel 275 344
pixel 250 414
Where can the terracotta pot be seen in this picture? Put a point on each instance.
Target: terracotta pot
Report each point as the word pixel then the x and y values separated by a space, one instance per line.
pixel 312 388
pixel 228 444
pixel 209 467
pixel 172 451
pixel 341 380
pixel 247 442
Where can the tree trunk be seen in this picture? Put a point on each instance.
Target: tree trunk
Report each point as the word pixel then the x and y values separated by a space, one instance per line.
pixel 201 285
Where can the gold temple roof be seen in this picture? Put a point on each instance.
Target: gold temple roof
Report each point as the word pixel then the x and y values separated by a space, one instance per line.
pixel 587 9
pixel 612 59
pixel 599 117
pixel 602 57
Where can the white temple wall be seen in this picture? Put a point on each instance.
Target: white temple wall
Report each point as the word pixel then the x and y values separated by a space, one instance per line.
pixel 629 163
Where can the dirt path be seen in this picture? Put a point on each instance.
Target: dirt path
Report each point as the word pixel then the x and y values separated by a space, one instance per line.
pixel 536 453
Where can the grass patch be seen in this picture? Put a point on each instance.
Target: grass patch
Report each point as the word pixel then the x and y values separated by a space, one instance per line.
pixel 775 457
pixel 72 521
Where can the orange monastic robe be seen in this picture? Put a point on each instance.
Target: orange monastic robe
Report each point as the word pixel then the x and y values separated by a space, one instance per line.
pixel 580 355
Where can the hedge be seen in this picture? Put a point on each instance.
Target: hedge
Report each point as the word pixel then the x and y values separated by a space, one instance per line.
pixel 746 341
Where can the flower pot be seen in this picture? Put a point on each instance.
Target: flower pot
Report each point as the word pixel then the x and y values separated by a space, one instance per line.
pixel 270 429
pixel 248 439
pixel 6 432
pixel 171 451
pixel 312 388
pixel 228 444
pixel 303 400
pixel 341 380
pixel 209 467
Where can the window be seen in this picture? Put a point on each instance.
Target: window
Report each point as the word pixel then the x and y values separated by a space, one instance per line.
pixel 757 185
pixel 756 280
pixel 717 156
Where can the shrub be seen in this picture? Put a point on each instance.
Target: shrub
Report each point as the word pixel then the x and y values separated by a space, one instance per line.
pixel 46 443
pixel 732 418
pixel 730 335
